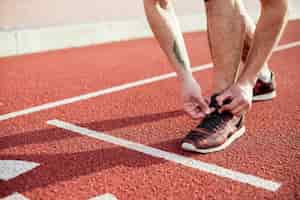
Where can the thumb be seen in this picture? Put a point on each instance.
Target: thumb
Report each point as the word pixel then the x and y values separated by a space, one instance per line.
pixel 203 105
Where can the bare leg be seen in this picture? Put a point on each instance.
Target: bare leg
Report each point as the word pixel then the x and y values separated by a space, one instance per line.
pixel 265 72
pixel 226 33
pixel 269 29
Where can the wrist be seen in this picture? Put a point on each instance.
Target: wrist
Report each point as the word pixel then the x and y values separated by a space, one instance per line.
pixel 247 80
pixel 246 83
pixel 186 77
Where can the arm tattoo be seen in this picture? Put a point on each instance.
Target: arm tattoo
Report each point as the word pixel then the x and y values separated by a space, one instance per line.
pixel 178 54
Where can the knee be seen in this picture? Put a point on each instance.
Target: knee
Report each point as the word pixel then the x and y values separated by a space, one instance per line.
pixel 162 3
pixel 279 8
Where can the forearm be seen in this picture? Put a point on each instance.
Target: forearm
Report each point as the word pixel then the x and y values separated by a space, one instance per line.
pixel 267 34
pixel 165 26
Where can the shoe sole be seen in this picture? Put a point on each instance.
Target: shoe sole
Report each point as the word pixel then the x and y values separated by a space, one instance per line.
pixel 265 97
pixel 235 136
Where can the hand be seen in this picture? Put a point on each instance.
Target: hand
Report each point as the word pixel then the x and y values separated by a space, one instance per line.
pixel 240 96
pixel 193 102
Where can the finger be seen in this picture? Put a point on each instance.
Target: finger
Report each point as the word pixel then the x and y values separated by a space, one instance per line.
pixel 238 111
pixel 207 100
pixel 230 107
pixel 196 114
pixel 204 106
pixel 242 109
pixel 193 111
pixel 221 98
pixel 188 109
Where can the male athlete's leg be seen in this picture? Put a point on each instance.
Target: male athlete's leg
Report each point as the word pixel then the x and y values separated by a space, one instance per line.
pixel 226 35
pixel 265 87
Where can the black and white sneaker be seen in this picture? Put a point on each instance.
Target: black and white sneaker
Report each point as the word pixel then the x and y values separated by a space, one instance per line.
pixel 216 132
pixel 263 91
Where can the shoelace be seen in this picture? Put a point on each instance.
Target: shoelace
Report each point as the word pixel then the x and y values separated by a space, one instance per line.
pixel 215 119
pixel 212 121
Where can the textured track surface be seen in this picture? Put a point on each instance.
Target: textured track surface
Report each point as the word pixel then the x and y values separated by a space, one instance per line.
pixel 78 167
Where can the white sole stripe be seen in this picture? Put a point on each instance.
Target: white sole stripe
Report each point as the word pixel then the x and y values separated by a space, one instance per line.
pixel 188 162
pixel 264 97
pixel 114 89
pixel 237 135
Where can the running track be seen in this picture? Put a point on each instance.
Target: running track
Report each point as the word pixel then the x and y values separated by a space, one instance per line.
pixel 134 130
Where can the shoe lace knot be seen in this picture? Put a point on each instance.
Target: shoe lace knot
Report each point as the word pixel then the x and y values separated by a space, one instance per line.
pixel 215 120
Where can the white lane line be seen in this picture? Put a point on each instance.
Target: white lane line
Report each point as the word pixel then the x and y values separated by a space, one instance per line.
pixel 10 169
pixel 105 197
pixel 287 46
pixel 114 89
pixel 15 196
pixel 196 164
pixel 95 94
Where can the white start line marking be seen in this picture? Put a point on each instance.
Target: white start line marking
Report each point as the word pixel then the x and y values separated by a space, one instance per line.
pixel 104 197
pixel 188 162
pixel 10 169
pixel 116 89
pixel 18 196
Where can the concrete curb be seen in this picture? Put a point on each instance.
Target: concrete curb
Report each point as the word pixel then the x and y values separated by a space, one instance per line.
pixel 24 41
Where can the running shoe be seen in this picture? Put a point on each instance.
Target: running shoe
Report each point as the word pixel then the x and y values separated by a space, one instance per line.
pixel 263 91
pixel 216 132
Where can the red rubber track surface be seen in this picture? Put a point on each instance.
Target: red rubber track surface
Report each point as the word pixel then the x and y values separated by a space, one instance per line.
pixel 77 167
